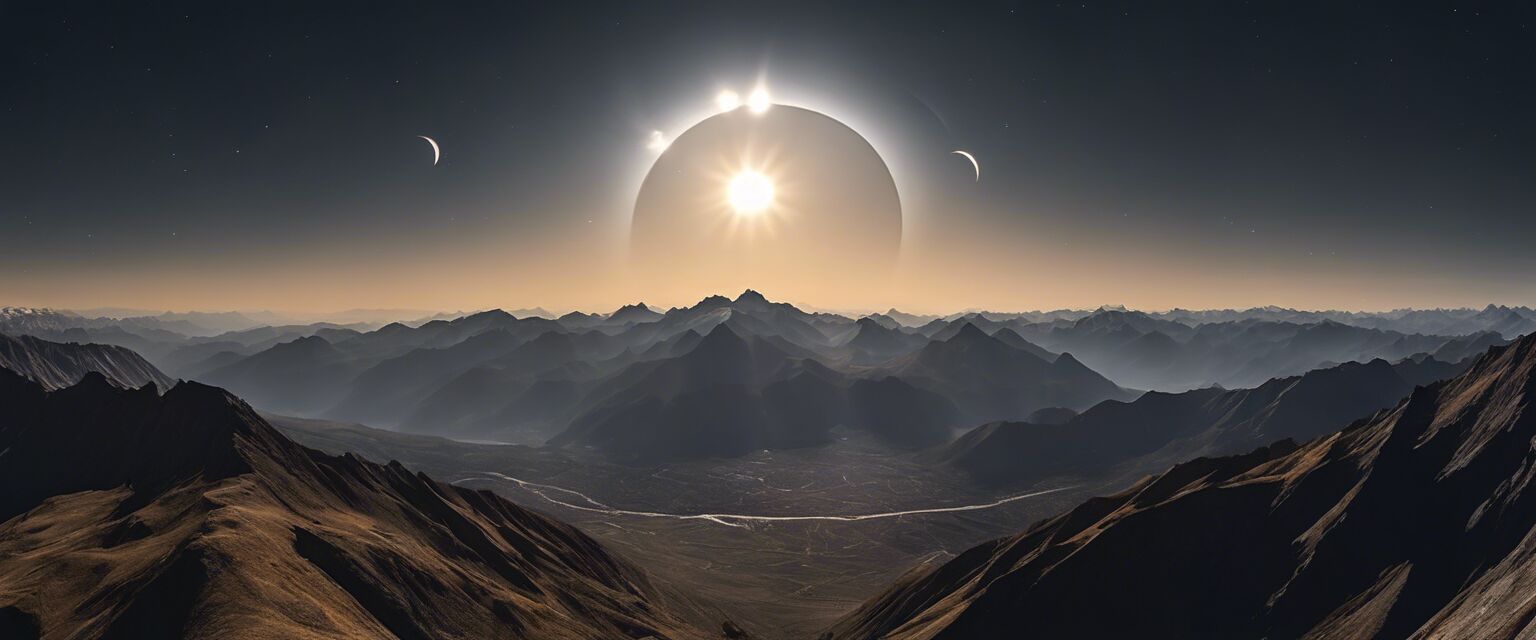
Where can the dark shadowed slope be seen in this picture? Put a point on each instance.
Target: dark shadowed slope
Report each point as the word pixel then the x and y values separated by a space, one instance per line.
pixel 302 376
pixel 131 514
pixel 1141 351
pixel 990 380
pixel 387 392
pixel 56 365
pixel 709 401
pixel 731 395
pixel 1419 521
pixel 873 342
pixel 1173 427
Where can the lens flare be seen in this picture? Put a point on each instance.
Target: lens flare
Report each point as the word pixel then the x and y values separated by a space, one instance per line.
pixel 727 100
pixel 758 101
pixel 659 141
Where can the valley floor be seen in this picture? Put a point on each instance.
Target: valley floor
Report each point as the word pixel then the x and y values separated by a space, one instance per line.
pixel 781 542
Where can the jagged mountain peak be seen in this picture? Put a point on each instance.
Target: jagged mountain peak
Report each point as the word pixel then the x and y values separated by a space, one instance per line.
pixel 711 302
pixel 304 343
pixel 637 312
pixel 56 365
pixel 488 316
pixel 969 333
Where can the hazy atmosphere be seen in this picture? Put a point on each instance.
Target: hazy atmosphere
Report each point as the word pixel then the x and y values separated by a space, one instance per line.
pixel 1206 155
pixel 836 320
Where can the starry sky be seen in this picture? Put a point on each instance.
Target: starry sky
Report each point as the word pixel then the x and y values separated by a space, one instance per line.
pixel 1203 154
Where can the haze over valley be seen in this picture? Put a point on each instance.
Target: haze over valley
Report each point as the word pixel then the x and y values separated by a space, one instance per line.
pixel 767 321
pixel 746 451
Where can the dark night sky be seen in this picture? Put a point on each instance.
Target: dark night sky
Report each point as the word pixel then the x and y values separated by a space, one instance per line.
pixel 225 155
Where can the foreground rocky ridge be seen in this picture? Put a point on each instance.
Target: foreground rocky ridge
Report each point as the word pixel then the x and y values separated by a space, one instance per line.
pixel 56 365
pixel 133 514
pixel 1417 522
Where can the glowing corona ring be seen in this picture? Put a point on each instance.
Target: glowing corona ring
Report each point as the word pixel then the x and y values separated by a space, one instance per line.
pixel 765 196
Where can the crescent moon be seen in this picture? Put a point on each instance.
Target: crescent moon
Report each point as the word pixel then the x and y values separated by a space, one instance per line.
pixel 974 164
pixel 437 153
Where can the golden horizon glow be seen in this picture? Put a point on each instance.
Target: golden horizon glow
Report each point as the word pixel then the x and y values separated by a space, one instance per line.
pixel 750 192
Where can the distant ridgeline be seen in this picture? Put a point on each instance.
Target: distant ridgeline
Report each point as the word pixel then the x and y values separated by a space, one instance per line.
pixel 641 385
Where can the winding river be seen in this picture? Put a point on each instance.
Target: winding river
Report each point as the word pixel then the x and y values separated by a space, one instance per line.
pixel 587 503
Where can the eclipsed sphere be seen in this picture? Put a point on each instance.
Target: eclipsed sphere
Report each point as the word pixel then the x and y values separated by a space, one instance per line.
pixel 754 196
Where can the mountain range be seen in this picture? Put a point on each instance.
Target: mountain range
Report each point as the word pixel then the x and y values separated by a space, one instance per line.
pixel 1415 522
pixel 140 505
pixel 1160 429
pixel 493 375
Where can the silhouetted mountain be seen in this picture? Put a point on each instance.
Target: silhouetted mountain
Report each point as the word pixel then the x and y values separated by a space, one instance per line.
pixel 420 377
pixel 874 342
pixel 55 365
pixel 1510 323
pixel 151 345
pixel 265 337
pixel 750 299
pixel 1118 320
pixel 304 376
pixel 1468 346
pixel 1442 322
pixel 989 380
pixel 385 393
pixel 1164 428
pixel 730 395
pixel 908 319
pixel 1416 522
pixel 198 519
pixel 461 404
pixel 397 339
pixel 705 402
pixel 438 346
pixel 1423 369
pixel 1013 339
pixel 193 360
pixel 577 320
pixel 950 328
pixel 1145 351
pixel 900 413
pixel 633 314
pixel 198 356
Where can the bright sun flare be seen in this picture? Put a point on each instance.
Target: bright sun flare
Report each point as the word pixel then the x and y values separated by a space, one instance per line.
pixel 750 192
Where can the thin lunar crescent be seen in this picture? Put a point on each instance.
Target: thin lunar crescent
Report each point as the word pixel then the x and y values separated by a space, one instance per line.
pixel 974 163
pixel 437 153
